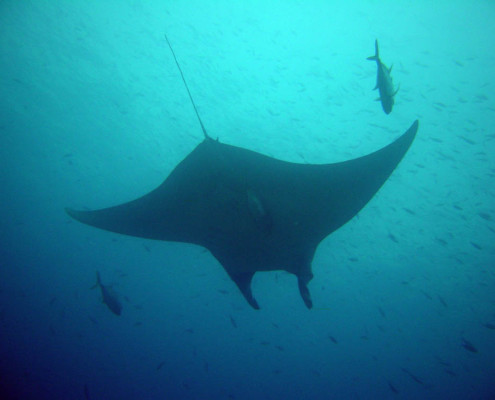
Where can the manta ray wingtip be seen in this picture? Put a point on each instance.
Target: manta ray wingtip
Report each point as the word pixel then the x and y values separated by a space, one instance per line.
pixel 77 215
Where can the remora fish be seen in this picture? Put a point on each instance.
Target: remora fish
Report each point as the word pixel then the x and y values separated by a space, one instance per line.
pixel 109 296
pixel 384 82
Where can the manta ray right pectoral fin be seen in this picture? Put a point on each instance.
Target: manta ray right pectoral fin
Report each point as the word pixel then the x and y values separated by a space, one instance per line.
pixel 243 282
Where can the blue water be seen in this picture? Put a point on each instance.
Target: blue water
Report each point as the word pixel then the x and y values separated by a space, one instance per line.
pixel 93 113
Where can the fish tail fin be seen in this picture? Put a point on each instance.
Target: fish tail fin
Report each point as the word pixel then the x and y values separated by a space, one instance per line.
pixel 377 54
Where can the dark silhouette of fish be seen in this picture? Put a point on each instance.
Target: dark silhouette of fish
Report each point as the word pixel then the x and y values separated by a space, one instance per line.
pixel 252 212
pixel 384 82
pixel 160 365
pixel 489 325
pixel 412 376
pixel 109 297
pixel 333 339
pixel 393 388
pixel 468 346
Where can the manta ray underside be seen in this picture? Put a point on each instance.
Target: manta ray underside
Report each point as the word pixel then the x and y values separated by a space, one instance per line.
pixel 253 212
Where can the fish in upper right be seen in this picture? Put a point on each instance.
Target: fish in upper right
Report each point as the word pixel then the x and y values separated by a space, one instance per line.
pixel 384 82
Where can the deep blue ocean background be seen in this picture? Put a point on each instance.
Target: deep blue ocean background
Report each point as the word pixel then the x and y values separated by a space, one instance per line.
pixel 93 113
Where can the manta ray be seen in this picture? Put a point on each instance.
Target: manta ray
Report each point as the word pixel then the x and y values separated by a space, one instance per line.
pixel 251 211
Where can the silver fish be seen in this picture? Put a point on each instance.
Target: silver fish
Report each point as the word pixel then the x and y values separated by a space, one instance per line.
pixel 109 296
pixel 384 82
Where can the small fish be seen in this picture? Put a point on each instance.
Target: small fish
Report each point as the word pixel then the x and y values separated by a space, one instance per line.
pixel 440 298
pixel 485 216
pixel 232 321
pixel 442 241
pixel 392 238
pixel 412 376
pixel 159 366
pixel 468 346
pixel 392 387
pixel 444 363
pixel 476 245
pixel 469 141
pixel 489 326
pixel 384 82
pixel 109 296
pixel 427 295
pixel 333 339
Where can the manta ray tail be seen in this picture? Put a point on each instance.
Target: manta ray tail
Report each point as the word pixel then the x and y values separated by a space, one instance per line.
pixel 187 88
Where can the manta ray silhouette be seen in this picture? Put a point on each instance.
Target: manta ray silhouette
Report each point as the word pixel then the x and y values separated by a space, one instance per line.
pixel 253 212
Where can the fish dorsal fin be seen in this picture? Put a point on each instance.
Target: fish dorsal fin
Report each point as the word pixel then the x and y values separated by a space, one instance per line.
pixel 398 87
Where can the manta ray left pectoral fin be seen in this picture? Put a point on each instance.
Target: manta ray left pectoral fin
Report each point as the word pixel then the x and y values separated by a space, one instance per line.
pixel 243 282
